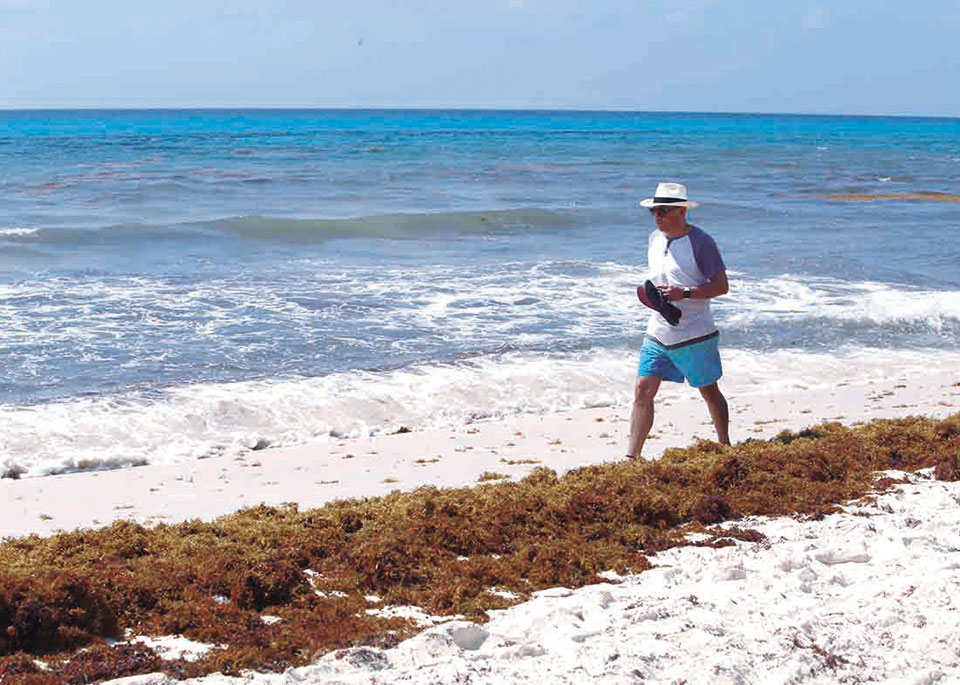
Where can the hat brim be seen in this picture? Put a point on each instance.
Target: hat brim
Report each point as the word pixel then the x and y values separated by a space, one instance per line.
pixel 650 203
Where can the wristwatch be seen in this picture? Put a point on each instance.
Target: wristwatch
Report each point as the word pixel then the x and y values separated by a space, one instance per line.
pixel 686 293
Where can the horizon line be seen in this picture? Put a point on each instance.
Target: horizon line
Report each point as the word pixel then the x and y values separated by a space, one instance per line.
pixel 458 108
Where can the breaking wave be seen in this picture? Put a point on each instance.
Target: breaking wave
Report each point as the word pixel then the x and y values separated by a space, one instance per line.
pixel 308 230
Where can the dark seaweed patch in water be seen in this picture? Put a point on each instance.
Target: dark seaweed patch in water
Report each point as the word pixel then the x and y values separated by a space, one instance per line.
pixel 928 196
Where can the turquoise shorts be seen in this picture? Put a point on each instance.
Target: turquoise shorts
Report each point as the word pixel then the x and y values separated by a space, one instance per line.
pixel 697 362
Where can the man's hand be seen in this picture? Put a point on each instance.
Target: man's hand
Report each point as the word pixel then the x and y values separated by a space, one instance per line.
pixel 671 292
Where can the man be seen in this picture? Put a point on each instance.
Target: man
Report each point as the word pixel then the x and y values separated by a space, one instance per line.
pixel 688 271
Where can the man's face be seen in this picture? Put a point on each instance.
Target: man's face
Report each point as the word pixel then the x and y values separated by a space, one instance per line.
pixel 669 219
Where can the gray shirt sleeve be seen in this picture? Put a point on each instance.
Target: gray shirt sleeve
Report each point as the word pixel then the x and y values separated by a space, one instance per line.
pixel 706 253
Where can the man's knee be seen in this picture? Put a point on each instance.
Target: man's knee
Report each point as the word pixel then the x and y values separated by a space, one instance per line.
pixel 646 389
pixel 711 393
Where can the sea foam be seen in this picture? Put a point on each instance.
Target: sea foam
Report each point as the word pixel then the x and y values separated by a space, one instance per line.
pixel 209 419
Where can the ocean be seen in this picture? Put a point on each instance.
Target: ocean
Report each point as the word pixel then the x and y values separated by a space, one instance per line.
pixel 180 284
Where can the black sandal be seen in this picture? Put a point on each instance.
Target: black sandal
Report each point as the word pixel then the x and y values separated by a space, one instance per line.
pixel 651 297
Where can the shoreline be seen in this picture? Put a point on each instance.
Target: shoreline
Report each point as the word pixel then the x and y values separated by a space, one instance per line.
pixel 314 474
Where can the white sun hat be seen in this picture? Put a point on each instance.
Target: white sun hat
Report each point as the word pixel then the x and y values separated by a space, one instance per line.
pixel 669 195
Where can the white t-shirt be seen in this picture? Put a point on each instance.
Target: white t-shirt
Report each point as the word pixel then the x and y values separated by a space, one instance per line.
pixel 687 261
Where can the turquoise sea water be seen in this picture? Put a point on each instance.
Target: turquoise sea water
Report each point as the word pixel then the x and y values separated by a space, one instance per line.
pixel 177 283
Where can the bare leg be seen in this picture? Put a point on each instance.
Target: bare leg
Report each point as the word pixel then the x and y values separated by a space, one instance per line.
pixel 641 416
pixel 717 404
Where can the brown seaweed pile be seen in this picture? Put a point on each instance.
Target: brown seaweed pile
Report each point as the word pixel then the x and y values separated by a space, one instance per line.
pixel 439 549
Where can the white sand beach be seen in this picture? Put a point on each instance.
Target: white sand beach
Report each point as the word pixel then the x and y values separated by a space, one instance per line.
pixel 870 594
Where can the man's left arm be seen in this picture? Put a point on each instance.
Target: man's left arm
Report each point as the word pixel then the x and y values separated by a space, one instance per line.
pixel 714 287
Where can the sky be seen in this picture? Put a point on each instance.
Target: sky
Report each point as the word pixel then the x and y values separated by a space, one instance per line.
pixel 841 57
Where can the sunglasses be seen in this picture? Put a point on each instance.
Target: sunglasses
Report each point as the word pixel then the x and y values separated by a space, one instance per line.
pixel 661 211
